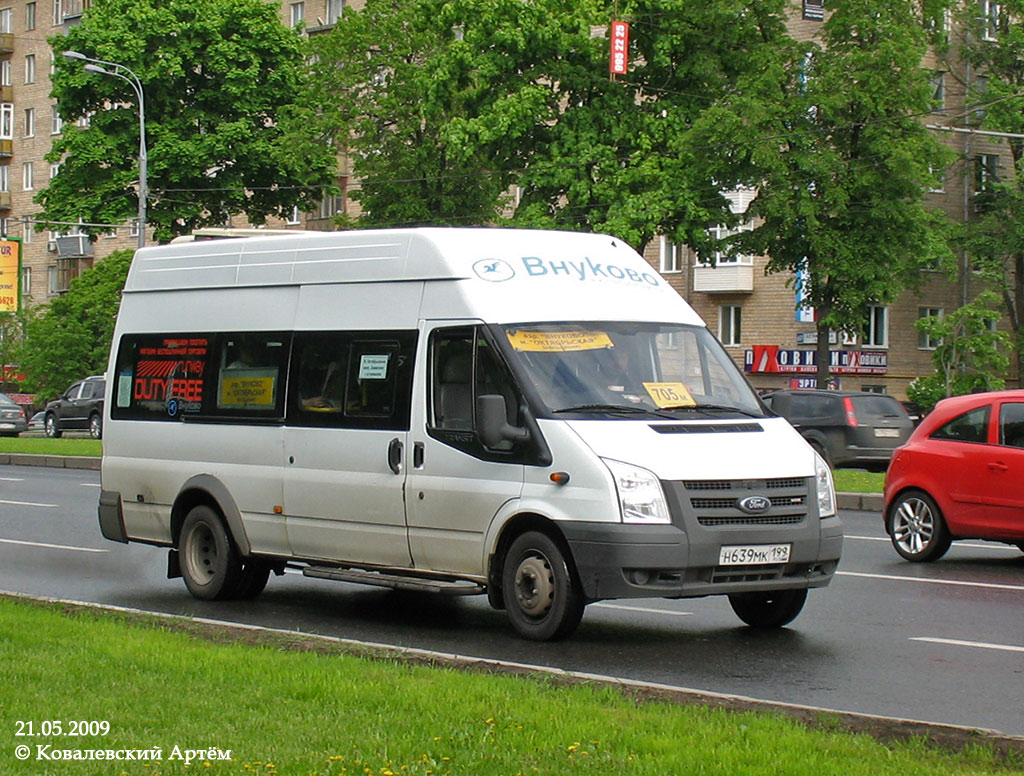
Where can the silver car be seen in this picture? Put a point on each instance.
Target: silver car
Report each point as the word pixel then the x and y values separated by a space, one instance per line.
pixel 12 417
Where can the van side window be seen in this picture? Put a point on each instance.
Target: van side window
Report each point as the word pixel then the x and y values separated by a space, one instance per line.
pixel 162 376
pixel 352 379
pixel 463 367
pixel 251 370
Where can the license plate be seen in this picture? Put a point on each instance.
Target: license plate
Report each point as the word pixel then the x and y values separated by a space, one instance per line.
pixel 754 554
pixel 888 433
pixel 7 426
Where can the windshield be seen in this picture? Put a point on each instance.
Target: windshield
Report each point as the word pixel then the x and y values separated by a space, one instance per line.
pixel 616 368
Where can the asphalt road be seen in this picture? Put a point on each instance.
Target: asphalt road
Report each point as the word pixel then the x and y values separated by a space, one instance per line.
pixel 941 642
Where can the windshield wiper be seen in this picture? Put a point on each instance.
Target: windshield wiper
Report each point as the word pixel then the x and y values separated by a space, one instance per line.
pixel 623 408
pixel 713 408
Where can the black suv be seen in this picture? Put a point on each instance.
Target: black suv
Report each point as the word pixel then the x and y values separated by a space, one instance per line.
pixel 80 407
pixel 846 428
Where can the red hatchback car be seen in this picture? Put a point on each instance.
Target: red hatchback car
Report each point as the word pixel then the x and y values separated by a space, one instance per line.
pixel 959 476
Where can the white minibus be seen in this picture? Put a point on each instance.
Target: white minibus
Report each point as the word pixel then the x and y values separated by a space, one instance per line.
pixel 535 416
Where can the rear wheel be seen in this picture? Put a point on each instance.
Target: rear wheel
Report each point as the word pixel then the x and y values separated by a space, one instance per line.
pixel 916 527
pixel 52 426
pixel 542 595
pixel 768 609
pixel 210 565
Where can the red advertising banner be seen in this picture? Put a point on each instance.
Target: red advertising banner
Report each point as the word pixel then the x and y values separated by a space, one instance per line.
pixel 769 359
pixel 619 62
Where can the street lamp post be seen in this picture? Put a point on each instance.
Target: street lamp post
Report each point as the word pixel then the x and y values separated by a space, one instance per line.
pixel 125 74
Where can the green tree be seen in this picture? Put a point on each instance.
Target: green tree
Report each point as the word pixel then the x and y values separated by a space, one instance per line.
pixel 842 162
pixel 215 76
pixel 70 338
pixel 443 105
pixel 970 356
pixel 11 330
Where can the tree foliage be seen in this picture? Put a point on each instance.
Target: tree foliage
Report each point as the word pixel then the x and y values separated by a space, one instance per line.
pixel 444 105
pixel 970 356
pixel 842 162
pixel 214 79
pixel 70 338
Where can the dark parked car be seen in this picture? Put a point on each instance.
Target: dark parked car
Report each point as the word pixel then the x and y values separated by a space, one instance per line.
pixel 846 428
pixel 80 407
pixel 961 476
pixel 12 417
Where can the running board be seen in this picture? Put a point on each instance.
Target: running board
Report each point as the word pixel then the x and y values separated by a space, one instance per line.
pixel 395 581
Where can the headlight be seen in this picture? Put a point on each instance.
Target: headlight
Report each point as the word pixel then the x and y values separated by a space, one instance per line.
pixel 641 499
pixel 826 490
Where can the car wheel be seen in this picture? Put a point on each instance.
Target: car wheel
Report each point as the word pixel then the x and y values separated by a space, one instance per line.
pixel 210 565
pixel 53 427
pixel 95 426
pixel 917 528
pixel 768 609
pixel 820 449
pixel 542 595
pixel 254 576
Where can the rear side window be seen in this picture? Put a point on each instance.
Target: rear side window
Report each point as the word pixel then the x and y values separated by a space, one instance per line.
pixel 877 406
pixel 1011 424
pixel 352 379
pixel 970 427
pixel 813 406
pixel 196 376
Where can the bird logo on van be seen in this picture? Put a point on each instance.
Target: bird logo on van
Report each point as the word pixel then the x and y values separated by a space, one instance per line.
pixel 494 270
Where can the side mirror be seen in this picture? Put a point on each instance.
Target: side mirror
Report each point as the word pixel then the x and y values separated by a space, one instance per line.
pixel 492 423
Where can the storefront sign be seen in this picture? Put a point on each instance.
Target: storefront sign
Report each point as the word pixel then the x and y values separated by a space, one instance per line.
pixel 10 275
pixel 771 359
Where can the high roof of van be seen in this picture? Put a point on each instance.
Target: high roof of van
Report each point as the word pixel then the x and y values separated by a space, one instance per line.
pixel 488 264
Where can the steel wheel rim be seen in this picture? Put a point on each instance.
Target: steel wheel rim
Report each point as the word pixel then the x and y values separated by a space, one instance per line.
pixel 94 427
pixel 914 527
pixel 201 554
pixel 535 586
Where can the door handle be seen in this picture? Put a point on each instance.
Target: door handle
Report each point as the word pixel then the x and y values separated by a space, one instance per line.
pixel 395 456
pixel 996 466
pixel 417 455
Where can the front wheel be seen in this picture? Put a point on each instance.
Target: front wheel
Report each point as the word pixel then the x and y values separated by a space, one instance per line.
pixel 542 595
pixel 916 527
pixel 769 609
pixel 53 427
pixel 95 426
pixel 210 565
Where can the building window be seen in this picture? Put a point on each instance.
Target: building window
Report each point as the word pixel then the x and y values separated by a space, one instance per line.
pixel 26 281
pixel 56 122
pixel 5 73
pixel 133 227
pixel 295 217
pixel 27 174
pixel 27 230
pixel 54 170
pixel 990 13
pixel 298 13
pixel 30 68
pixel 58 13
pixel 7 20
pixel 925 341
pixel 814 10
pixel 739 202
pixel 52 278
pixel 876 332
pixel 729 324
pixel 30 16
pixel 938 91
pixel 6 121
pixel 331 205
pixel 30 122
pixel 671 259
pixel 5 177
pixel 334 9
pixel 986 172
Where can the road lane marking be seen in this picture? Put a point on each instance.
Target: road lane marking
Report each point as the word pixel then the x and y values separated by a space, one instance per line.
pixel 961 545
pixel 12 479
pixel 954 582
pixel 89 484
pixel 642 610
pixel 28 504
pixel 50 546
pixel 978 644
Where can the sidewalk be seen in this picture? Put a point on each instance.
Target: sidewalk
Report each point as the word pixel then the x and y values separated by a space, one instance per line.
pixel 865 502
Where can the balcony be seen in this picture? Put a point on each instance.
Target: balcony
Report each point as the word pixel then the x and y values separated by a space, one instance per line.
pixel 6 147
pixel 5 200
pixel 724 279
pixel 6 42
pixel 74 246
pixel 6 93
pixel 73 10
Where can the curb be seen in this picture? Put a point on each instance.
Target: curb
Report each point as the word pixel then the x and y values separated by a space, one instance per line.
pixel 863 502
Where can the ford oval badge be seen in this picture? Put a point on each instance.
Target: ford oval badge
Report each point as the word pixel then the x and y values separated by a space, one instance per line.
pixel 754 505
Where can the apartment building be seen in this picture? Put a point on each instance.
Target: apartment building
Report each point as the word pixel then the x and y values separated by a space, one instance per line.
pixel 759 317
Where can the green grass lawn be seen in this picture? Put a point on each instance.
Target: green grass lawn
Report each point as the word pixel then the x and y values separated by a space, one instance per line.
pixel 858 481
pixel 281 707
pixel 47 446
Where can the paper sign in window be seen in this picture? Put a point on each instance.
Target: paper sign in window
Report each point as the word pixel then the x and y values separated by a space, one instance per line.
pixel 559 341
pixel 373 367
pixel 670 394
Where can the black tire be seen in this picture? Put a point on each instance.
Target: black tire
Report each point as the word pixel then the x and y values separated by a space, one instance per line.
pixel 96 426
pixel 768 609
pixel 210 564
pixel 255 573
pixel 542 595
pixel 821 450
pixel 916 527
pixel 52 424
